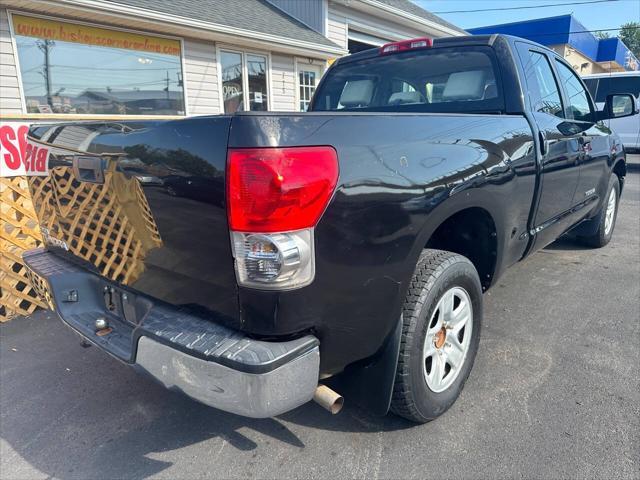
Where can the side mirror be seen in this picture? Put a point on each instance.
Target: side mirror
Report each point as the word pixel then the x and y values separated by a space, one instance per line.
pixel 618 105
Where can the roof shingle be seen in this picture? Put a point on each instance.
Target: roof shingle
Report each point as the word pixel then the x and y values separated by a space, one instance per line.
pixel 256 16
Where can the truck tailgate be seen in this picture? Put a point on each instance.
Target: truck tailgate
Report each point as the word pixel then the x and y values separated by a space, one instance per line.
pixel 143 205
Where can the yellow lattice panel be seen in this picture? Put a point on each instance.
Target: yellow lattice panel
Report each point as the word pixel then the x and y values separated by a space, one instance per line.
pixel 19 231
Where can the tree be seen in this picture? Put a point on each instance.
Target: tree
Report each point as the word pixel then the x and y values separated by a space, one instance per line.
pixel 630 35
pixel 602 35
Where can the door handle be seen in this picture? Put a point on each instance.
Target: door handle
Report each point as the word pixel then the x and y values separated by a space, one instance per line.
pixel 88 169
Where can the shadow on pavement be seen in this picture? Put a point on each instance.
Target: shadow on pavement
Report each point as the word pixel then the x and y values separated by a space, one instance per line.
pixel 567 243
pixel 75 412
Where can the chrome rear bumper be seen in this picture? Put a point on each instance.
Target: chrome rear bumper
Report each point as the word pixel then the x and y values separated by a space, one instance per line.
pixel 257 395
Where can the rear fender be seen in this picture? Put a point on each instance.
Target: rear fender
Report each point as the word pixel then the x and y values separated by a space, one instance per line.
pixel 369 383
pixel 469 198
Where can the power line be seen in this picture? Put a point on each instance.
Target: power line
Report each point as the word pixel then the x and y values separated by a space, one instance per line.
pixel 526 7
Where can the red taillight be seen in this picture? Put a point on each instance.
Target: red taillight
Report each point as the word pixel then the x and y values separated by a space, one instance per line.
pixel 403 46
pixel 279 189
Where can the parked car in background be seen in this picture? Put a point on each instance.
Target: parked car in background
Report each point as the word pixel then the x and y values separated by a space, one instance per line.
pixel 603 84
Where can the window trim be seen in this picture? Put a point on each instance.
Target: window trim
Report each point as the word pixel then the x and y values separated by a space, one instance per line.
pixel 555 75
pixel 568 112
pixel 322 65
pixel 221 47
pixel 72 116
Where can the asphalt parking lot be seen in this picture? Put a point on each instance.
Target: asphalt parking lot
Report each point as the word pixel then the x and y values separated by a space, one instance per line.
pixel 554 394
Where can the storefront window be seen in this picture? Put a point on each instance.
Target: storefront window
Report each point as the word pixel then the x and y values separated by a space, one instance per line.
pixel 244 72
pixel 78 69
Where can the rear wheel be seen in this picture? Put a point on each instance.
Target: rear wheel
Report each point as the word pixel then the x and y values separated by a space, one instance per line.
pixel 441 331
pixel 607 217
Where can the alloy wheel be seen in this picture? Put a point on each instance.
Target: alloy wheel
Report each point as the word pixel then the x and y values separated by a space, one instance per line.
pixel 448 339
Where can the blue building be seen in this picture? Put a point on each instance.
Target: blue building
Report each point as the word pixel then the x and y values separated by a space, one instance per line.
pixel 570 38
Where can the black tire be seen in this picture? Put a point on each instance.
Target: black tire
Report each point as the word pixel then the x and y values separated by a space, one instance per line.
pixel 437 272
pixel 602 237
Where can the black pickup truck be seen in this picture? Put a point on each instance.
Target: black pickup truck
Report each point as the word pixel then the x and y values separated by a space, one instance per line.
pixel 259 260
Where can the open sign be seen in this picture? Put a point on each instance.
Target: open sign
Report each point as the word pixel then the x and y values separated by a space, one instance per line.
pixel 19 156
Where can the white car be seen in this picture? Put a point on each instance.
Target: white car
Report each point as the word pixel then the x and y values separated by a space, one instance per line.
pixel 602 84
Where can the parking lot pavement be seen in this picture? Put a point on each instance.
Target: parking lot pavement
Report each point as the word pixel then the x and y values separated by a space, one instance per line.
pixel 554 393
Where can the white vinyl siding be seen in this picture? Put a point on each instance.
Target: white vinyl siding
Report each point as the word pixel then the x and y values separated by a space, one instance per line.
pixel 283 83
pixel 337 28
pixel 10 100
pixel 200 71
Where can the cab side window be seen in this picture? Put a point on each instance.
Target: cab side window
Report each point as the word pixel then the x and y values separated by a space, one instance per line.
pixel 577 96
pixel 543 89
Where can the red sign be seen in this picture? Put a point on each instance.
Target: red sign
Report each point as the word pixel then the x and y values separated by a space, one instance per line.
pixel 19 156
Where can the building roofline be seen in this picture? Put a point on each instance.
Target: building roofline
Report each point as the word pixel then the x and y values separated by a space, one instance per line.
pixel 161 17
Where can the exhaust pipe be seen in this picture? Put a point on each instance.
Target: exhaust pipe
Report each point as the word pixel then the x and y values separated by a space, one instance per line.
pixel 328 399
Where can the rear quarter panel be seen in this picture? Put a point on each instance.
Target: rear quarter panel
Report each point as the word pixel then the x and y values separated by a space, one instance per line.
pixel 401 175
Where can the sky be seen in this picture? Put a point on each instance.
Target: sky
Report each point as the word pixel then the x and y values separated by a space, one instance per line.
pixel 602 15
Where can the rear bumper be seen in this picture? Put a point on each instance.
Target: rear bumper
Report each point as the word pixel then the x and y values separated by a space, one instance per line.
pixel 254 395
pixel 207 361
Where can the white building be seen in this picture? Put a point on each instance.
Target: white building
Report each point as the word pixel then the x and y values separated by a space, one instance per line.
pixel 130 58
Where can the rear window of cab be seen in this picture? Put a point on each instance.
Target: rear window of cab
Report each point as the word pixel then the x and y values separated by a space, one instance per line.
pixel 442 80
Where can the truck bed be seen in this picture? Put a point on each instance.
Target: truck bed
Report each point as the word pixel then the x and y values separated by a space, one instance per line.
pixel 158 223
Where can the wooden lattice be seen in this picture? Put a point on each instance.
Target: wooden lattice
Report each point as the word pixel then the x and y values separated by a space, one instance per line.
pixel 18 232
pixel 109 225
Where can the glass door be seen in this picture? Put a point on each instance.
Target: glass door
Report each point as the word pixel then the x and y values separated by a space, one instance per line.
pixel 244 81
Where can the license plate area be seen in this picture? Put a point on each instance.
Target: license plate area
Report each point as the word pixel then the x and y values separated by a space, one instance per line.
pixel 95 308
pixel 125 305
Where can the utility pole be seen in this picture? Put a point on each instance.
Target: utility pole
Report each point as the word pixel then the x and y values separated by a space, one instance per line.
pixel 167 87
pixel 45 47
